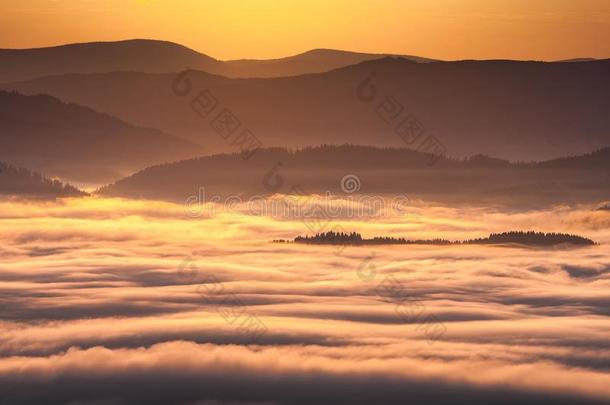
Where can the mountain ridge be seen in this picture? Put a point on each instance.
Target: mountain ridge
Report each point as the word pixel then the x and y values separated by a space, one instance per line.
pixel 158 56
pixel 508 109
pixel 380 171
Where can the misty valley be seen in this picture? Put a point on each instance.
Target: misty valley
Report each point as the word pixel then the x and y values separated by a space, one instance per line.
pixel 328 227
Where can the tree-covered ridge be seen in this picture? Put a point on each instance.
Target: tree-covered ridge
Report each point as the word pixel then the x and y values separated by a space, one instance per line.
pixel 383 171
pixel 530 238
pixel 16 180
pixel 354 238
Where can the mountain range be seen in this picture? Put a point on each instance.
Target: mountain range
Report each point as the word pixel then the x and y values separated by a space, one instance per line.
pixel 152 56
pixel 96 112
pixel 512 110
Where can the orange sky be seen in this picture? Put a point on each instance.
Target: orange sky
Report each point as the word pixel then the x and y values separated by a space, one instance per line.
pixel 228 29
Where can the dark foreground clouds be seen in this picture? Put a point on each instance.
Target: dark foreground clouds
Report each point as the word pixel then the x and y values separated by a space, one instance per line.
pixel 181 372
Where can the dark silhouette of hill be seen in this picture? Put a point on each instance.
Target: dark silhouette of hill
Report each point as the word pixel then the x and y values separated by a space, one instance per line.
pixel 596 159
pixel 153 56
pixel 511 110
pixel 77 143
pixel 97 57
pixel 314 61
pixel 381 171
pixel 20 181
pixel 529 238
pixel 578 60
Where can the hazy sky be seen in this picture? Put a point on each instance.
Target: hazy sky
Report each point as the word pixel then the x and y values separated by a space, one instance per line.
pixel 447 29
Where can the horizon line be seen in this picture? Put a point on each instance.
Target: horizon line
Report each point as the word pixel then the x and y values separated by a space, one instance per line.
pixel 321 48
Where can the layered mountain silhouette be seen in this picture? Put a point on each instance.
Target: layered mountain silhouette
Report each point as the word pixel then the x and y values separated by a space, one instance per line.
pixel 380 171
pixel 77 143
pixel 23 182
pixel 152 56
pixel 314 61
pixel 511 110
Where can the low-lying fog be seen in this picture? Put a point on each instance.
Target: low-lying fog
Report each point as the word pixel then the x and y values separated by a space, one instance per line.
pixel 124 300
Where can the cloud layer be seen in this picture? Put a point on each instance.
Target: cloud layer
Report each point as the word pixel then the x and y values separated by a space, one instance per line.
pixel 115 301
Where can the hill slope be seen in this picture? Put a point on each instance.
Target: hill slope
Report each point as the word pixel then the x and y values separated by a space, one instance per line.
pixel 512 110
pixel 152 56
pixel 77 143
pixel 96 57
pixel 20 181
pixel 379 171
pixel 314 61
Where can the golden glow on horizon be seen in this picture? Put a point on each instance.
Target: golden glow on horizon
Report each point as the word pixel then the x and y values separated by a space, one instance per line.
pixel 230 29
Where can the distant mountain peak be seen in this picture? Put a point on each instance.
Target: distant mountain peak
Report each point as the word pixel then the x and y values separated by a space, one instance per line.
pixel 159 56
pixel 122 42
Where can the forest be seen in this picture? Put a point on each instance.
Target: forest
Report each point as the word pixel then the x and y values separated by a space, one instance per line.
pixel 529 238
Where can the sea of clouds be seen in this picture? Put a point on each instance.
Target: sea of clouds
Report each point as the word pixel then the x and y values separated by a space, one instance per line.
pixel 111 301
